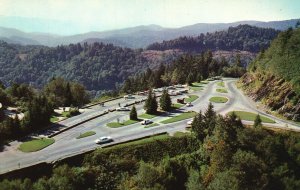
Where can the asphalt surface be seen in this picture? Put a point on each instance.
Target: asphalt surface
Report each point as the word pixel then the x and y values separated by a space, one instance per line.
pixel 66 143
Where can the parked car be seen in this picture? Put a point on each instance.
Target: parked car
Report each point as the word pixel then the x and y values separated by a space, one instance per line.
pixel 122 109
pixel 103 140
pixel 146 122
pixel 190 122
pixel 129 96
pixel 189 104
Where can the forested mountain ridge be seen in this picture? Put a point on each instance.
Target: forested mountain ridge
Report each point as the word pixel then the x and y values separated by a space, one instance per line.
pixel 243 38
pixel 97 66
pixel 274 76
pixel 101 66
pixel 134 37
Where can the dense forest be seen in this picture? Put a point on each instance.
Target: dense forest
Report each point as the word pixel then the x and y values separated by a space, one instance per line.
pixel 273 77
pixel 37 106
pixel 97 66
pixel 185 70
pixel 243 37
pixel 101 67
pixel 219 153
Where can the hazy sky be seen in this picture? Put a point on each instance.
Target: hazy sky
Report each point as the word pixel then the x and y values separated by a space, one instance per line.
pixel 74 16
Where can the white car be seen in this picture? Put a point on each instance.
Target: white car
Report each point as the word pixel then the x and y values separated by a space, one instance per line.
pixel 122 109
pixel 190 122
pixel 189 104
pixel 146 122
pixel 103 140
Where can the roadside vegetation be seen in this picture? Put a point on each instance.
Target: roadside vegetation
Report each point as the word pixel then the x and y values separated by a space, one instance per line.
pixel 36 144
pixel 221 84
pixel 86 134
pixel 121 124
pixel 248 116
pixel 218 99
pixel 179 117
pixel 177 106
pixel 151 125
pixel 37 106
pixel 219 152
pixel 222 90
pixel 191 98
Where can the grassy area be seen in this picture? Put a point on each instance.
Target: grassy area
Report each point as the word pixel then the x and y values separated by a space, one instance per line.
pixel 191 98
pixel 180 117
pixel 125 123
pixel 218 99
pixel 196 86
pixel 142 141
pixel 86 134
pixel 53 119
pixel 177 105
pixel 181 134
pixel 222 90
pixel 36 144
pixel 65 114
pixel 150 116
pixel 221 84
pixel 152 125
pixel 248 116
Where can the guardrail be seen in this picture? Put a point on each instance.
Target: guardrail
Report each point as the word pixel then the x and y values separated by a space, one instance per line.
pixel 96 103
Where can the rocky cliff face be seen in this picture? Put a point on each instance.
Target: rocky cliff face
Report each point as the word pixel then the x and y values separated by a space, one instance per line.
pixel 274 92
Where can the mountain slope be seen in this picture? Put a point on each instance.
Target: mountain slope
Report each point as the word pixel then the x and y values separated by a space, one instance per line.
pixel 274 77
pixel 97 66
pixel 242 37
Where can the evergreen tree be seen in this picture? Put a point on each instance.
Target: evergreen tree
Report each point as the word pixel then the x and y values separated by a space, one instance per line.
pixel 68 95
pixel 210 118
pixel 190 79
pixel 133 113
pixel 199 126
pixel 257 121
pixel 165 101
pixel 154 105
pixel 151 103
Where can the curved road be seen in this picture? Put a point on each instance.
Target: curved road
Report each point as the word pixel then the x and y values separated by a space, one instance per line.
pixel 66 143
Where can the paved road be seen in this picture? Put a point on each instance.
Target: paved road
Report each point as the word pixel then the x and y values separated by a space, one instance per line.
pixel 66 143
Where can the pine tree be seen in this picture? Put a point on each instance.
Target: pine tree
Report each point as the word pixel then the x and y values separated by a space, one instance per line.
pixel 190 79
pixel 154 105
pixel 68 95
pixel 199 126
pixel 257 121
pixel 165 101
pixel 210 117
pixel 133 113
pixel 151 103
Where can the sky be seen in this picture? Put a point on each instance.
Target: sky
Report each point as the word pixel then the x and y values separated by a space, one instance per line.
pixel 78 16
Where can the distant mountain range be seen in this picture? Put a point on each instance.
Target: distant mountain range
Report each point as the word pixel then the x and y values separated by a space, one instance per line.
pixel 135 37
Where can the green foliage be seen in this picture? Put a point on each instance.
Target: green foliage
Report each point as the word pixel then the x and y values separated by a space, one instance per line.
pixel 86 134
pixel 242 37
pixel 36 144
pixel 257 121
pixel 225 155
pixel 38 114
pixel 248 116
pixel 179 117
pixel 282 58
pixel 186 69
pixel 151 103
pixel 165 101
pixel 63 93
pixel 218 99
pixel 133 114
